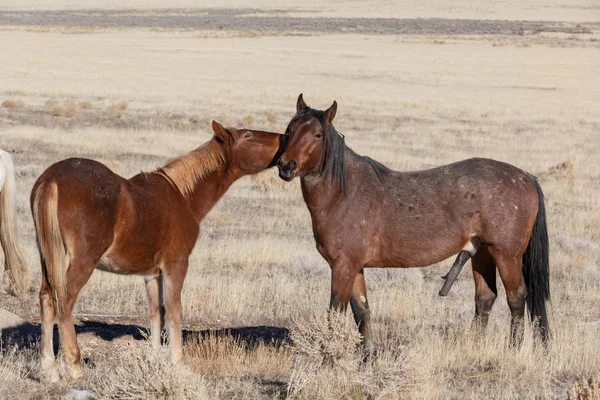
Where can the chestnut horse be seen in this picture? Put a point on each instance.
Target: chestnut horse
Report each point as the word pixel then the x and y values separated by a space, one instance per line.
pixel 88 217
pixel 365 215
pixel 16 271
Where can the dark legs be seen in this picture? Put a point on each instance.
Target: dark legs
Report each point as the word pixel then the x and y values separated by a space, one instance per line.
pixel 484 274
pixel 362 314
pixel 348 286
pixel 510 271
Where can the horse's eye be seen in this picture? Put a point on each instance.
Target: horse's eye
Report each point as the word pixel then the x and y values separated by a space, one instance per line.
pixel 248 134
pixel 319 135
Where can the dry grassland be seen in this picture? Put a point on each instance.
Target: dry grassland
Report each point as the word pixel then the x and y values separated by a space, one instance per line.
pixel 134 98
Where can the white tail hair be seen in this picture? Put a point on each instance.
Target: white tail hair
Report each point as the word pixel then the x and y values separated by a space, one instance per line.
pixel 16 270
pixel 54 256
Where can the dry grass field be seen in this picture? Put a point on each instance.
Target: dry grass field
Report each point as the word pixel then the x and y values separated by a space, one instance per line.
pixel 256 296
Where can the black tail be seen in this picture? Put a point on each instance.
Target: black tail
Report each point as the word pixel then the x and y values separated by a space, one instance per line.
pixel 536 268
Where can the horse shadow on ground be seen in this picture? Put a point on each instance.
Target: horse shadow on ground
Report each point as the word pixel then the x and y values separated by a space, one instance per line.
pixel 27 335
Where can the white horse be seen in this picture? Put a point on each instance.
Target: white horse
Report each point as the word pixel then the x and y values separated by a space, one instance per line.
pixel 16 271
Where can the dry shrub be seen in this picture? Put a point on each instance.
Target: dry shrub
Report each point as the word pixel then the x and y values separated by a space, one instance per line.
pixel 69 109
pixel 20 376
pixel 184 125
pixel 219 354
pixel 140 372
pixel 117 110
pixel 220 219
pixel 563 170
pixel 50 104
pixel 587 390
pixel 326 337
pixel 270 116
pixel 13 103
pixel 328 363
pixel 85 105
pixel 122 106
pixel 194 119
pixel 248 120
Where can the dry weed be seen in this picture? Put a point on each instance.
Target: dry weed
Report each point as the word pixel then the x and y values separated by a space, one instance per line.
pixel 13 104
pixel 249 121
pixel 140 372
pixel 117 110
pixel 270 116
pixel 565 169
pixel 220 354
pixel 587 390
pixel 122 106
pixel 69 109
pixel 328 363
pixel 85 105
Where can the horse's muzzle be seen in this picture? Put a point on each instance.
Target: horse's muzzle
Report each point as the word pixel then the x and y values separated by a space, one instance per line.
pixel 287 171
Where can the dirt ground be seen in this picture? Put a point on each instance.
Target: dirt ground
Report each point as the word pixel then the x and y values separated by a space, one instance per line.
pixel 417 85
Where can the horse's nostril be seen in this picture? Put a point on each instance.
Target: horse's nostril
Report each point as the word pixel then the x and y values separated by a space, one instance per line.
pixel 280 163
pixel 292 165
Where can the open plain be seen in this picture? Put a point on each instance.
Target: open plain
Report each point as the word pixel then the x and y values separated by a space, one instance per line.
pixel 417 86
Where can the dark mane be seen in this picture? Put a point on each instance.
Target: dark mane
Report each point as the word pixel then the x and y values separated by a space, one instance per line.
pixel 381 170
pixel 333 161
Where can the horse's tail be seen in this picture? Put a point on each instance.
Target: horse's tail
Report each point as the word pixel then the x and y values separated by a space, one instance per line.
pixel 53 254
pixel 536 270
pixel 16 270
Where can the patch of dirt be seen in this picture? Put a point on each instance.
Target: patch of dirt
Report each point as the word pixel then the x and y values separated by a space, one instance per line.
pixel 254 20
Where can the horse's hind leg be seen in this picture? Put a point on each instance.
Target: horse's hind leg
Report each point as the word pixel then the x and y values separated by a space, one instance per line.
pixel 510 271
pixel 362 314
pixel 78 273
pixel 154 289
pixel 484 274
pixel 47 316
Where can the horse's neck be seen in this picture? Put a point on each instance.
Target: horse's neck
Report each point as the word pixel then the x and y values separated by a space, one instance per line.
pixel 321 193
pixel 209 190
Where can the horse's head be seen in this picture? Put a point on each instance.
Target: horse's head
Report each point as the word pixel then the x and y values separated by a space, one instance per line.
pixel 248 151
pixel 307 141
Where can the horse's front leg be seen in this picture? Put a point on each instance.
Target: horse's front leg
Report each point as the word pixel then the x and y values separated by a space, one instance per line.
pixel 154 290
pixel 342 280
pixel 173 277
pixel 362 314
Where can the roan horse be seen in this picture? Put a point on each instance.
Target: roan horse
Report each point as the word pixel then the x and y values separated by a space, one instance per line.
pixel 366 215
pixel 88 217
pixel 16 271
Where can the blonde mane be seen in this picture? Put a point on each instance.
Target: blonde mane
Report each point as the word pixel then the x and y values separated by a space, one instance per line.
pixel 186 171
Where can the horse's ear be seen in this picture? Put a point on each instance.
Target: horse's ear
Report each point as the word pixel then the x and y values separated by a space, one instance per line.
pixel 300 104
pixel 220 132
pixel 330 112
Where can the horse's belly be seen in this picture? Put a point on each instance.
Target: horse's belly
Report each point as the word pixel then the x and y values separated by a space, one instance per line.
pixel 108 265
pixel 125 265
